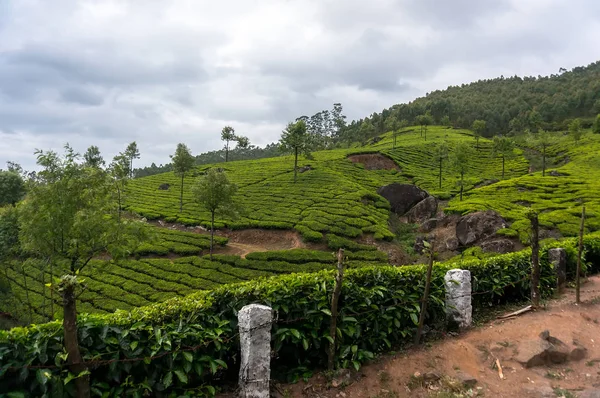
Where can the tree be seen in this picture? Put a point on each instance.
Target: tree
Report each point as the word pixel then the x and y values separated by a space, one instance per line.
pixel 424 121
pixel 461 158
pixel 12 188
pixel 542 140
pixel 440 153
pixel 93 158
pixel 575 130
pixel 478 128
pixel 393 124
pixel 503 147
pixel 534 121
pixel 83 224
pixel 119 172
pixel 215 193
pixel 367 130
pixel 183 161
pixel 242 142
pixel 446 121
pixel 227 135
pixel 294 139
pixel 132 152
pixel 596 125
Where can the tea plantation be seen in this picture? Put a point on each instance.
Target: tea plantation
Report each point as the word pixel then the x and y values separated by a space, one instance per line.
pixel 557 196
pixel 335 196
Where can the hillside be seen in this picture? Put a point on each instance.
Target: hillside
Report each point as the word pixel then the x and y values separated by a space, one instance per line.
pixel 506 103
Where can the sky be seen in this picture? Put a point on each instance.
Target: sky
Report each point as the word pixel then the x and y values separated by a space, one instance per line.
pixel 105 73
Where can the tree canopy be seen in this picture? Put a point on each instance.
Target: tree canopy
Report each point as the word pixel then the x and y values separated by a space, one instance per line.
pixel 12 188
pixel 183 162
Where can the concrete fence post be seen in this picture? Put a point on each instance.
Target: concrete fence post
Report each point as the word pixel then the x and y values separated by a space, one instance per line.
pixel 255 343
pixel 459 310
pixel 558 259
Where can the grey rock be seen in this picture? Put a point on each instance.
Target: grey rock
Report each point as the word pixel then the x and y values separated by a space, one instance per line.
pixel 498 246
pixel 578 353
pixel 589 394
pixel 452 244
pixel 478 226
pixel 423 210
pixel 402 197
pixel 255 346
pixel 545 335
pixel 466 379
pixel 558 259
pixel 429 225
pixel 459 310
pixel 164 187
pixel 532 353
pixel 305 169
pixel 419 246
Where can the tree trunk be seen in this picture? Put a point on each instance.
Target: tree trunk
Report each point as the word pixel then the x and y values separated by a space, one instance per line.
pixel 535 261
pixel 395 135
pixel 212 232
pixel 425 131
pixel 27 293
pixel 441 173
pixel 544 161
pixel 226 151
pixel 580 251
pixel 337 289
pixel 425 296
pixel 295 163
pixel 503 166
pixel 82 384
pixel 181 195
pixel 461 185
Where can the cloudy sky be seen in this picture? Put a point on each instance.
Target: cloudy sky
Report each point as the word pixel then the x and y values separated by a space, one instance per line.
pixel 160 72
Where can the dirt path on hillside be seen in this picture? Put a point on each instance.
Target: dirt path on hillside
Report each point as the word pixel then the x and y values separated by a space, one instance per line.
pixel 474 352
pixel 242 242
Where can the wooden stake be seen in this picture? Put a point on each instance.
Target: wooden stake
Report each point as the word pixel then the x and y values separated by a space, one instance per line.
pixel 519 312
pixel 334 309
pixel 578 272
pixel 535 259
pixel 499 369
pixel 425 296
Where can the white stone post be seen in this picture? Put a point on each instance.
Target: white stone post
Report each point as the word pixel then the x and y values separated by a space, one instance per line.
pixel 255 342
pixel 459 310
pixel 558 259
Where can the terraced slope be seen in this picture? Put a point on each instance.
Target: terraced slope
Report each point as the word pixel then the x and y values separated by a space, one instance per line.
pixel 557 197
pixel 336 196
pixel 133 283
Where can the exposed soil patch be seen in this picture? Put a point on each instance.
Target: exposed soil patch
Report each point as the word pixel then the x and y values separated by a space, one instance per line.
pixel 474 353
pixel 397 255
pixel 374 161
pixel 246 241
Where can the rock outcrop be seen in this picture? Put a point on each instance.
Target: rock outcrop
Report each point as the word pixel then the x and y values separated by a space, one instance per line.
pixel 402 197
pixel 476 227
pixel 423 210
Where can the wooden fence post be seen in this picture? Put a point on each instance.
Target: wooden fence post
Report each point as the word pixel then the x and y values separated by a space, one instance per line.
pixel 535 259
pixel 334 309
pixel 425 294
pixel 580 251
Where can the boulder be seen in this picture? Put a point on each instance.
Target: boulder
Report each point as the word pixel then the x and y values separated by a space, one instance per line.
pixel 452 244
pixel 478 226
pixel 305 169
pixel 577 353
pixel 419 246
pixel 466 379
pixel 498 246
pixel 423 210
pixel 402 197
pixel 164 187
pixel 532 353
pixel 589 394
pixel 428 225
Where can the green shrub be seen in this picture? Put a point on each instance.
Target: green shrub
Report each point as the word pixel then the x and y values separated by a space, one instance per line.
pixel 335 242
pixel 308 234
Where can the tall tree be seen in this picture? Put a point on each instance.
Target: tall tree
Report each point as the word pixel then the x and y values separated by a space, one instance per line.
pixel 534 121
pixel 93 158
pixel 503 147
pixel 339 122
pixel 183 162
pixel 446 121
pixel 132 152
pixel 84 224
pixel 440 154
pixel 367 130
pixel 596 125
pixel 575 129
pixel 294 139
pixel 393 124
pixel 12 188
pixel 215 193
pixel 478 129
pixel 119 172
pixel 461 159
pixel 425 121
pixel 227 135
pixel 541 141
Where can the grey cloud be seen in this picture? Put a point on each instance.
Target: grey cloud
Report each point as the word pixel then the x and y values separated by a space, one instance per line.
pixel 82 96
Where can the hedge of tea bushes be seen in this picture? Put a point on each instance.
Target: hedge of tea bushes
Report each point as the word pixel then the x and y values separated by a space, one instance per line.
pixel 379 308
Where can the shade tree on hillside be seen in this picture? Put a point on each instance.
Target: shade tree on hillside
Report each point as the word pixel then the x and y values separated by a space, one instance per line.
pixel 93 158
pixel 394 125
pixel 596 125
pixel 440 155
pixel 215 193
pixel 12 188
pixel 295 140
pixel 445 121
pixel 228 135
pixel 424 120
pixel 461 158
pixel 503 147
pixel 326 127
pixel 541 141
pixel 575 130
pixel 131 152
pixel 119 173
pixel 183 162
pixel 478 128
pixel 84 224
